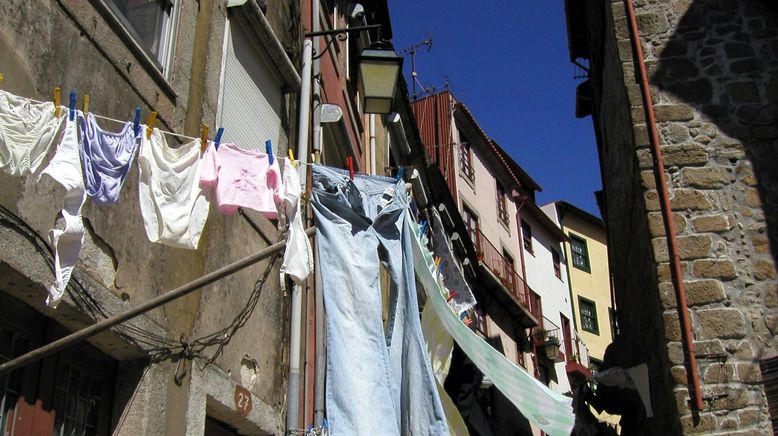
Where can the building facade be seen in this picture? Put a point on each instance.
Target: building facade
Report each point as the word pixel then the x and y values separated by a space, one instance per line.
pixel 178 368
pixel 515 269
pixel 684 115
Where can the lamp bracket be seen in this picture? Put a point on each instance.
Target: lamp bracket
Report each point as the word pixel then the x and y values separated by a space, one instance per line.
pixel 338 35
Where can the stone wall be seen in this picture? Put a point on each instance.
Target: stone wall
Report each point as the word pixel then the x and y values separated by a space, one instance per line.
pixel 713 68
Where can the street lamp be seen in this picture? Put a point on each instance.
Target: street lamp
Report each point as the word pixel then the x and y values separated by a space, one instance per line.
pixel 379 67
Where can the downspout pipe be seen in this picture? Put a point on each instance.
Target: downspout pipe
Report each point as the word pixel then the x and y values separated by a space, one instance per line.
pixel 293 392
pixel 320 365
pixel 667 215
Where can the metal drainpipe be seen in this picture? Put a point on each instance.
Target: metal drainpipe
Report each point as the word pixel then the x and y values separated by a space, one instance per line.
pixel 320 364
pixel 667 215
pixel 372 143
pixel 293 393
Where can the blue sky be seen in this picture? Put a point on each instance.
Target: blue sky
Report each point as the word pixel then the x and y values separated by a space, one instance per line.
pixel 508 62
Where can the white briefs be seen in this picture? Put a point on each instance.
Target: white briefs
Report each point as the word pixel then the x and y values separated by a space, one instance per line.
pixel 65 168
pixel 298 257
pixel 27 131
pixel 173 206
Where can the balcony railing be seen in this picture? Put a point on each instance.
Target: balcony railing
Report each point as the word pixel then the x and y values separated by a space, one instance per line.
pixel 503 270
pixel 546 331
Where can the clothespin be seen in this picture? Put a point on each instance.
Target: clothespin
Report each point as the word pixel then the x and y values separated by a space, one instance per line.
pixel 468 322
pixel 437 261
pixel 136 122
pixel 217 140
pixel 290 152
pixel 85 105
pixel 269 151
pixel 203 137
pixel 400 173
pixel 1 77
pixel 72 106
pixel 150 124
pixel 350 166
pixel 451 295
pixel 57 100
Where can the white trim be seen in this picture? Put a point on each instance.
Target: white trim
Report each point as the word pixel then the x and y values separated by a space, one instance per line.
pixel 225 47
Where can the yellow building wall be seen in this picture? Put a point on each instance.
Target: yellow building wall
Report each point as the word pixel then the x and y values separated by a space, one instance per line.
pixel 593 285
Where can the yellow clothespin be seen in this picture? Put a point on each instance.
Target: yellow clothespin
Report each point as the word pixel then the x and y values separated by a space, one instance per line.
pixel 204 137
pixel 57 100
pixel 291 157
pixel 1 77
pixel 150 124
pixel 85 106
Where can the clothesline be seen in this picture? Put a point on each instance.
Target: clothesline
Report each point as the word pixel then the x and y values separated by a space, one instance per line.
pixel 103 117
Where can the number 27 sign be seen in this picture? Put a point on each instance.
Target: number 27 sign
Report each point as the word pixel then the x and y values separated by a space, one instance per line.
pixel 243 403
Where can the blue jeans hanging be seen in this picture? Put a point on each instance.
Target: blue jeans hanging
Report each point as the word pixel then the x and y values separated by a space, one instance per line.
pixel 379 381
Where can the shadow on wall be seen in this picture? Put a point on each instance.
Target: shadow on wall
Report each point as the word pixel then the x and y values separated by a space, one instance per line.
pixel 723 61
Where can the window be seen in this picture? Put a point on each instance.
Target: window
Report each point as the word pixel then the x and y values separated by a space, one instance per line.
pixel 466 161
pixel 471 222
pixel 150 24
pixel 535 305
pixel 508 270
pixel 580 253
pixel 502 208
pixel 557 266
pixel 588 311
pixel 526 234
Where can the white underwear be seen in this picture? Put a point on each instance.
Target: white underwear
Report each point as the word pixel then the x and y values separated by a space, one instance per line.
pixel 65 168
pixel 27 131
pixel 173 206
pixel 298 257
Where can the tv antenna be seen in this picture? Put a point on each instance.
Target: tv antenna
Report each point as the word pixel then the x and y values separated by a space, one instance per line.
pixel 412 51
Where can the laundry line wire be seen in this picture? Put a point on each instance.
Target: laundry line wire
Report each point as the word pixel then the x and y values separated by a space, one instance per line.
pixel 180 135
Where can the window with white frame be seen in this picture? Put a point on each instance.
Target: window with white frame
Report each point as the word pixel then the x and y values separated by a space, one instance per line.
pixel 150 24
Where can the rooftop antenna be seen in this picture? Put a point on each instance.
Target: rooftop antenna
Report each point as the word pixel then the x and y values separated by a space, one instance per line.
pixel 412 51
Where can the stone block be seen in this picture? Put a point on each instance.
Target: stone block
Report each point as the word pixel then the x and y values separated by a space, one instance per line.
pixel 748 372
pixel 705 425
pixel 705 177
pixel 651 199
pixel 684 155
pixel 763 269
pixel 752 197
pixel 656 223
pixel 710 268
pixel 673 112
pixel 677 68
pixel 744 351
pixel 694 246
pixel 672 326
pixel 652 23
pixel 645 158
pixel 700 292
pixel 761 243
pixel 743 66
pixel 743 92
pixel 689 199
pixel 678 373
pixel 718 372
pixel 663 271
pixel 749 416
pixel 721 323
pixel 711 223
pixel 725 397
pixel 738 50
pixel 640 133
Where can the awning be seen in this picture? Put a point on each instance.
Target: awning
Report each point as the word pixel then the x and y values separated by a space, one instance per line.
pixel 550 410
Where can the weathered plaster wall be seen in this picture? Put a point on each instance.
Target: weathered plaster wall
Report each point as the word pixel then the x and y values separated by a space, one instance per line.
pixel 69 43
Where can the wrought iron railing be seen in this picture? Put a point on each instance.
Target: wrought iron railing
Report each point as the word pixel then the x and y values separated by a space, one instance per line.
pixel 546 331
pixel 503 270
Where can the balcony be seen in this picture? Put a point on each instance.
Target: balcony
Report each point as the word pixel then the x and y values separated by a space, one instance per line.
pixel 578 361
pixel 548 336
pixel 503 271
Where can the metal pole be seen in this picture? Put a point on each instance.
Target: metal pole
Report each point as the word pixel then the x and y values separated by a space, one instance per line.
pixel 179 292
pixel 319 362
pixel 293 392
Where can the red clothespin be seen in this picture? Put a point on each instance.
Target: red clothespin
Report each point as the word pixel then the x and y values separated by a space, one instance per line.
pixel 468 322
pixel 350 166
pixel 451 295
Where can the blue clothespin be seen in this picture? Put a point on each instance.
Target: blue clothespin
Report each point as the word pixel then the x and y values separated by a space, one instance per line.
pixel 218 138
pixel 400 173
pixel 72 106
pixel 136 125
pixel 269 151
